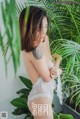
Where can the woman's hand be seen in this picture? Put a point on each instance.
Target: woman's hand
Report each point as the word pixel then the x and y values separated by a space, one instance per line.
pixel 53 72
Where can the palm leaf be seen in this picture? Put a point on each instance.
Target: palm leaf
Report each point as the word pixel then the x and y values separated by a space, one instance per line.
pixel 20 5
pixel 77 101
pixel 12 32
pixel 70 52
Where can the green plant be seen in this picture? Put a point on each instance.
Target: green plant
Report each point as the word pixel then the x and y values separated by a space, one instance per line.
pixel 64 35
pixel 10 38
pixel 65 40
pixel 70 52
pixel 21 102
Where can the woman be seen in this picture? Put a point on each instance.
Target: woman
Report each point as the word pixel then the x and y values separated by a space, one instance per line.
pixel 38 62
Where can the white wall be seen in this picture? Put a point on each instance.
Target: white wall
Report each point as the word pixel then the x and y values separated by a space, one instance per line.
pixel 9 85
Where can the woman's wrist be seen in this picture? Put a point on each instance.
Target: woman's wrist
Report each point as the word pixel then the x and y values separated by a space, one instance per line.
pixel 56 65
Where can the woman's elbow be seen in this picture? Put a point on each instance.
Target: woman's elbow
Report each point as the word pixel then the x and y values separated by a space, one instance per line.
pixel 47 78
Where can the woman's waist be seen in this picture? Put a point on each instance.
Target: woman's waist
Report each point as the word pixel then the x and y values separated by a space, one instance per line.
pixel 40 81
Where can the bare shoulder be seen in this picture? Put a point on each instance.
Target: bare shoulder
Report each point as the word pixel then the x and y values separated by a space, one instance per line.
pixel 34 54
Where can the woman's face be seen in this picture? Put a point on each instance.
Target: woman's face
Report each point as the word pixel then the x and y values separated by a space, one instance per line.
pixel 44 27
pixel 43 31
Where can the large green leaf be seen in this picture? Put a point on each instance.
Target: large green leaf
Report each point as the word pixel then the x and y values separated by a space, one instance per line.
pixel 28 116
pixel 11 32
pixel 19 111
pixel 26 82
pixel 23 91
pixel 62 116
pixel 19 102
pixel 65 116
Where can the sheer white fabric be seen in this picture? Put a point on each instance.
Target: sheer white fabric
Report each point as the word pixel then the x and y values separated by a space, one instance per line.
pixel 59 85
pixel 42 89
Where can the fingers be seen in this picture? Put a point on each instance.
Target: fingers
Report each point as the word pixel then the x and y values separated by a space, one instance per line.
pixel 53 76
pixel 52 71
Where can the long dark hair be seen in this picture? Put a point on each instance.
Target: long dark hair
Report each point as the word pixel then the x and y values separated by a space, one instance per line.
pixel 33 25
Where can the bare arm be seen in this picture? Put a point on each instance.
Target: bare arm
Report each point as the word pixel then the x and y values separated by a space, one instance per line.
pixel 38 60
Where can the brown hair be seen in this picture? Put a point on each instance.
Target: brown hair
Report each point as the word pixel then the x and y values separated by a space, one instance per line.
pixel 34 24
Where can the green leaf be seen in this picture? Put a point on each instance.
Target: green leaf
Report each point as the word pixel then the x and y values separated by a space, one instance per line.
pixel 55 116
pixel 62 116
pixel 12 32
pixel 65 116
pixel 3 50
pixel 28 116
pixel 24 96
pixel 19 111
pixel 23 91
pixel 26 82
pixel 19 102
